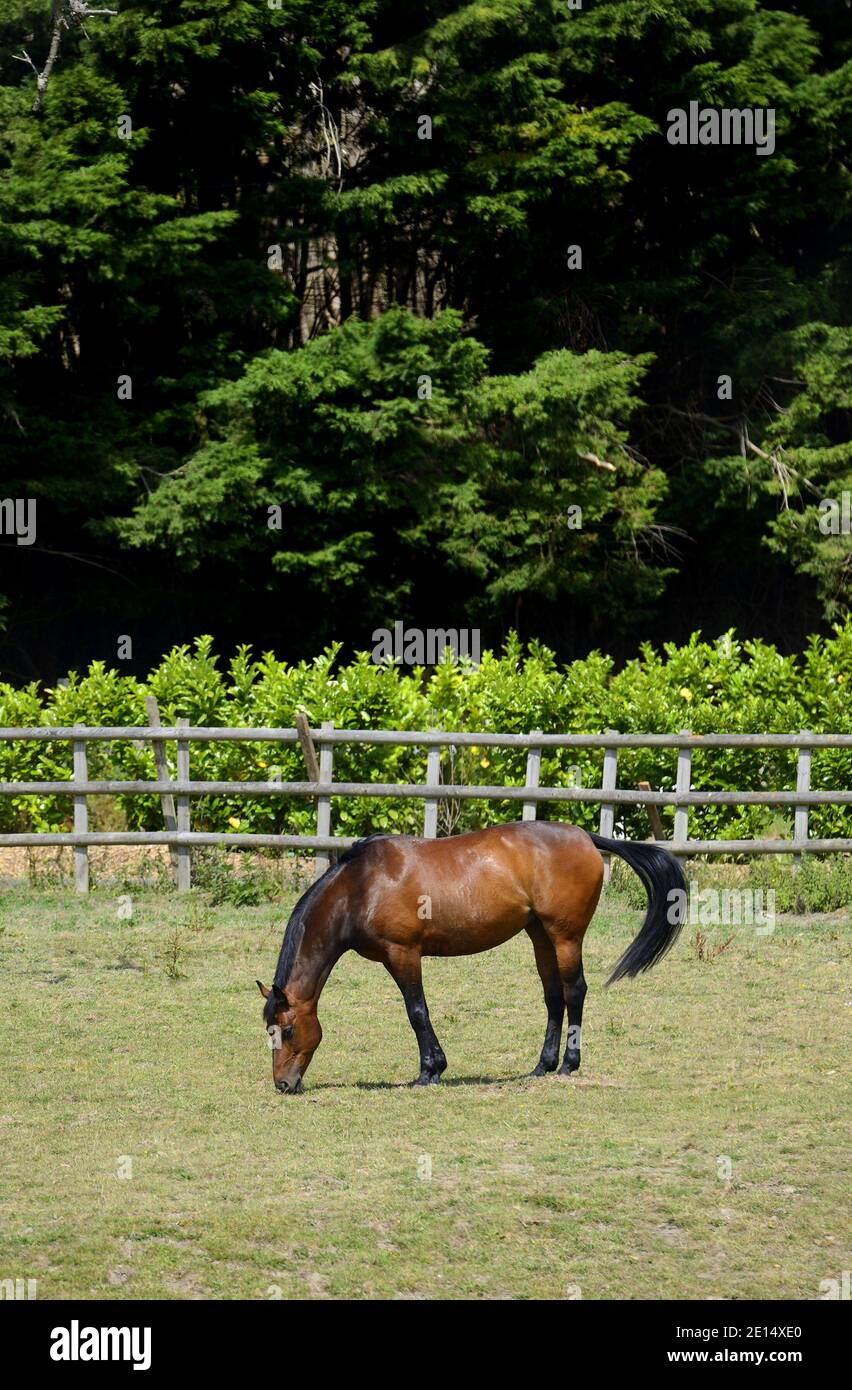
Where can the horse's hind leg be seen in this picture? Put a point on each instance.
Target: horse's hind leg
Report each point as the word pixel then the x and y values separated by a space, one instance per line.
pixel 404 966
pixel 565 907
pixel 548 969
pixel 570 957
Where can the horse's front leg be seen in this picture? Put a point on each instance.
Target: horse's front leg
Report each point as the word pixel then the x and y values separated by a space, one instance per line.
pixel 404 966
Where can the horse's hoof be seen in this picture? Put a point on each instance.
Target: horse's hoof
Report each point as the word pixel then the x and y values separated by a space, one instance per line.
pixel 567 1071
pixel 425 1080
pixel 541 1070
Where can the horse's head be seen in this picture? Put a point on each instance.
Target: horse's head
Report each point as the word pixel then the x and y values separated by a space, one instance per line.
pixel 294 1036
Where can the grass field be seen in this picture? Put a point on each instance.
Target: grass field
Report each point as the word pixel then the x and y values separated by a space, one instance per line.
pixel 700 1152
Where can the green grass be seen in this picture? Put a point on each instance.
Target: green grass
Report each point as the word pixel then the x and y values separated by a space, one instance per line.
pixel 142 1038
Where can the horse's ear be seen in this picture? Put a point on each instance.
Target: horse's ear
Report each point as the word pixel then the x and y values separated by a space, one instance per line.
pixel 264 991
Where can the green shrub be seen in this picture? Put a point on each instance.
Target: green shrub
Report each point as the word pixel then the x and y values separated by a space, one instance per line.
pixel 231 877
pixel 818 885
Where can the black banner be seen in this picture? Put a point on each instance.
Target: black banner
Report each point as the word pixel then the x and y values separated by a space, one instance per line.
pixel 153 1340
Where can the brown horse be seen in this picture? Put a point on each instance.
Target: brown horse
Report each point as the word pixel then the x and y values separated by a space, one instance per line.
pixel 395 899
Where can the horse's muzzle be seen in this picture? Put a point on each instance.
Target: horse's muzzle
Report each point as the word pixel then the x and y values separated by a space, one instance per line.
pixel 287 1090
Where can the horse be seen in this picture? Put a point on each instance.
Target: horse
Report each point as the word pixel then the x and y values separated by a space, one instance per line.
pixel 397 898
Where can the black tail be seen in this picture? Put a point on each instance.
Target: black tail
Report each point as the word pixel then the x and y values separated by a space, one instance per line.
pixel 666 887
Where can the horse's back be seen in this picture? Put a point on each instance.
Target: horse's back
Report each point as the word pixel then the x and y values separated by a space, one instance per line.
pixel 468 893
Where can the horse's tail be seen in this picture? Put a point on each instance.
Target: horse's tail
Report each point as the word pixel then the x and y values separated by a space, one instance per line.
pixel 667 892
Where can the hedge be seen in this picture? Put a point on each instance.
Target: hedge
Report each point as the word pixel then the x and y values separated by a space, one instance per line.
pixel 723 686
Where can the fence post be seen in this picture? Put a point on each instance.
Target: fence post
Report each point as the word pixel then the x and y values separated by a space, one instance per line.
pixel 167 801
pixel 81 818
pixel 684 777
pixel 184 853
pixel 608 784
pixel 803 784
pixel 326 773
pixel 652 813
pixel 309 753
pixel 532 777
pixel 433 777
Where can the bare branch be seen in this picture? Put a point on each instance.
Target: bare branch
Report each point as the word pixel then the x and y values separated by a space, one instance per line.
pixel 598 463
pixel 24 57
pixel 783 471
pixel 655 539
pixel 330 132
pixel 12 414
pixel 81 11
pixel 65 13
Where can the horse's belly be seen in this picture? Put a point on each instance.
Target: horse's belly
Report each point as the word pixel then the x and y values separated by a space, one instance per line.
pixel 449 937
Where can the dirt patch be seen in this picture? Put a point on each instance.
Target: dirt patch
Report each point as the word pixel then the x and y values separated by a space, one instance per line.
pixel 53 865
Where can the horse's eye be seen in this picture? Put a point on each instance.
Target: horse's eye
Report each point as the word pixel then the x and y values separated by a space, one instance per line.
pixel 287 1032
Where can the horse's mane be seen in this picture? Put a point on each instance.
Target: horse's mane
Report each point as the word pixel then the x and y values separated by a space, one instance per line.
pixel 295 929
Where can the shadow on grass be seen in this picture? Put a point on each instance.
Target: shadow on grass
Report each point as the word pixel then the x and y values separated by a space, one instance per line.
pixel 576 1081
pixel 411 1086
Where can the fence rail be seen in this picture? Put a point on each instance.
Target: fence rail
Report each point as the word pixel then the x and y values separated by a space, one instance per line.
pixel 402 737
pixel 176 793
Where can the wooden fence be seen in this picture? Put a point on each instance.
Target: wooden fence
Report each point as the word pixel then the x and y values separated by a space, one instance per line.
pixel 176 793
